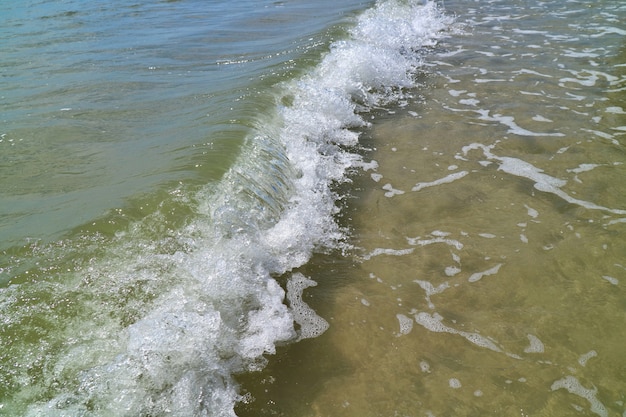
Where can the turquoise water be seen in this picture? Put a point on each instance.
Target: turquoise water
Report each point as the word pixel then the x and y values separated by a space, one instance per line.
pixel 103 102
pixel 297 208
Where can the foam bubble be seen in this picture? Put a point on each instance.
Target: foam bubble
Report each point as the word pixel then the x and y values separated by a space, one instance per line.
pixel 469 102
pixel 430 289
pixel 454 383
pixel 610 279
pixel 386 251
pixel 452 270
pixel 478 275
pixel 311 325
pixel 539 118
pixel 584 358
pixel 445 180
pixel 406 323
pixel 391 191
pixel 584 168
pixel 424 242
pixel 434 324
pixel 531 212
pixel 573 386
pixel 509 121
pixel 536 346
pixel 615 110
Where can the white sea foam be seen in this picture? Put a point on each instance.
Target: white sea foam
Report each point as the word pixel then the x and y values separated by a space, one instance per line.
pixel 438 237
pixel 532 212
pixel 531 72
pixel 311 325
pixel 584 168
pixel 509 121
pixel 586 78
pixel 391 191
pixel 469 102
pixel 406 323
pixel 434 324
pixel 454 383
pixel 478 275
pixel 445 180
pixel 424 242
pixel 584 358
pixel 573 386
pixel 212 307
pixel 456 93
pixel 452 270
pixel 388 251
pixel 610 279
pixel 539 118
pixel 536 345
pixel 430 289
pixel 609 30
pixel 615 110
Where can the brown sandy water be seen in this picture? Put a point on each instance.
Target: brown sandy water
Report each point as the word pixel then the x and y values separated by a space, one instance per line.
pixel 491 262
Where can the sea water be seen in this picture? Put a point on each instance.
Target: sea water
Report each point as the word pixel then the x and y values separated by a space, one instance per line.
pixel 287 208
pixel 489 272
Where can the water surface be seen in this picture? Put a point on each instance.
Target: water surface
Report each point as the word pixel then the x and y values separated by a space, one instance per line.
pixel 177 176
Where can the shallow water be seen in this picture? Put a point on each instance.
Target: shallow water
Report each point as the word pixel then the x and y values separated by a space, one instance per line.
pixel 466 249
pixel 490 276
